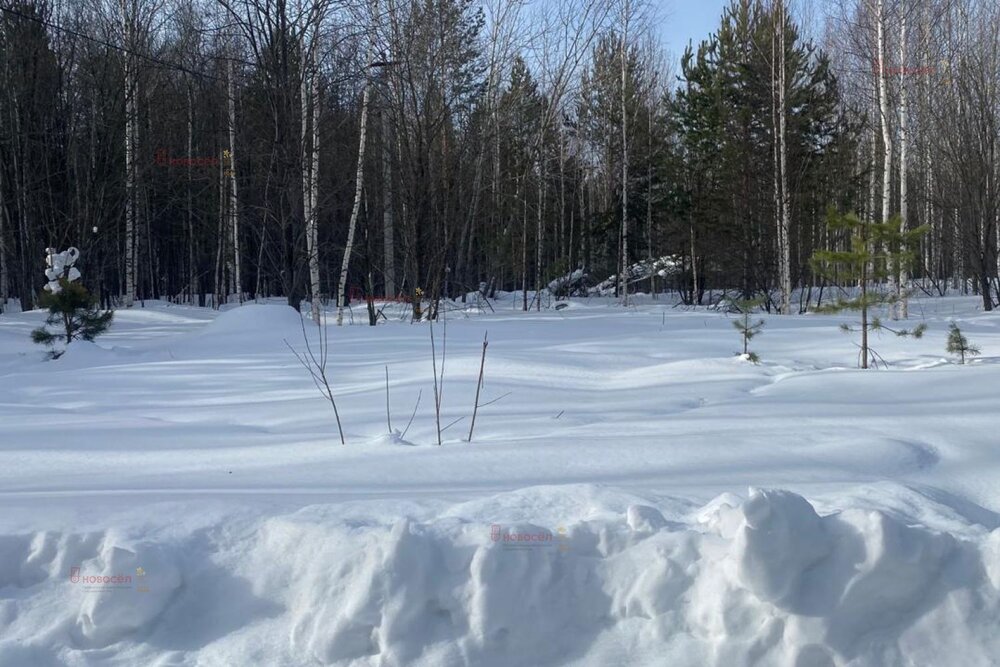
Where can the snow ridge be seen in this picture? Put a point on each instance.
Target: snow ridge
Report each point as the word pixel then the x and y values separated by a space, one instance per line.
pixel 763 581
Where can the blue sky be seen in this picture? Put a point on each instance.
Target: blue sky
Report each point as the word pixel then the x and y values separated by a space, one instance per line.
pixel 683 20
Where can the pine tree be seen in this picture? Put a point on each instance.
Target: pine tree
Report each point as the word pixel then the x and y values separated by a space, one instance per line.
pixel 746 327
pixel 875 251
pixel 74 311
pixel 959 344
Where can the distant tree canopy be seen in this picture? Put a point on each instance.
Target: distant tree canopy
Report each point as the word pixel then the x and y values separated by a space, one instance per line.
pixel 507 146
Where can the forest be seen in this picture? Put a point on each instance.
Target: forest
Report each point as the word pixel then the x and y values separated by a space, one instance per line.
pixel 219 151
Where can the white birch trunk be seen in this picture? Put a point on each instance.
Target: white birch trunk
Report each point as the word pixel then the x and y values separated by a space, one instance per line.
pixel 234 219
pixel 626 11
pixel 314 176
pixel 358 187
pixel 540 230
pixel 218 297
pixel 524 242
pixel 128 30
pixel 775 158
pixel 192 274
pixel 388 236
pixel 561 245
pixel 904 277
pixel 310 167
pixel 305 97
pixel 883 103
pixel 649 191
pixel 784 227
pixel 694 267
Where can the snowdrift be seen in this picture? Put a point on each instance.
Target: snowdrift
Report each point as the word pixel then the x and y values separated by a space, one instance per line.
pixel 255 319
pixel 253 326
pixel 764 581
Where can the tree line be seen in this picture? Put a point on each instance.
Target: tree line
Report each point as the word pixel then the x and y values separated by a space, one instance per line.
pixel 211 151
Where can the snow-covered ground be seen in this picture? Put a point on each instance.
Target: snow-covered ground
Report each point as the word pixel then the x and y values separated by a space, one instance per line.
pixel 638 496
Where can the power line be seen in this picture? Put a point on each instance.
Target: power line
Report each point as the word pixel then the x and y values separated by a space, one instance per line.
pixel 122 49
pixel 154 59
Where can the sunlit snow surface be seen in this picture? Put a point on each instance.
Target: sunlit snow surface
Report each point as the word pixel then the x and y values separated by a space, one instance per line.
pixel 619 505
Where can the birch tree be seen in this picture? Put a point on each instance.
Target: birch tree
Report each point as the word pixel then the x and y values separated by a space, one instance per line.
pixel 903 278
pixel 784 227
pixel 309 96
pixel 883 107
pixel 129 16
pixel 234 201
pixel 625 19
pixel 358 182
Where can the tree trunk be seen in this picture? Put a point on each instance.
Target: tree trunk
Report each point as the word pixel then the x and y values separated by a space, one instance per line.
pixel 649 195
pixel 4 223
pixel 626 10
pixel 388 239
pixel 192 269
pixel 358 186
pixel 220 283
pixel 694 268
pixel 904 277
pixel 539 231
pixel 786 222
pixel 524 245
pixel 310 170
pixel 781 163
pixel 234 218
pixel 883 104
pixel 131 89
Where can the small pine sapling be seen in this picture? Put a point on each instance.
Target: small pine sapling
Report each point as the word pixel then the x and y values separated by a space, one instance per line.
pixel 959 344
pixel 73 311
pixel 748 328
pixel 872 252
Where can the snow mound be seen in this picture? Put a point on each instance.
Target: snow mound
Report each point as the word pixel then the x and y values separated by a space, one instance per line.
pixel 255 318
pixel 763 581
pixel 788 587
pixel 394 438
pixel 143 578
pixel 85 353
pixel 254 326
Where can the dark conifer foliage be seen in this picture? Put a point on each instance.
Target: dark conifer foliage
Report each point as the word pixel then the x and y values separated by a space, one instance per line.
pixel 171 141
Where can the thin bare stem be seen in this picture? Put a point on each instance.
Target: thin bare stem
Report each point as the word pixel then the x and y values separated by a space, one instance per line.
pixel 497 399
pixel 437 396
pixel 415 406
pixel 317 368
pixel 452 424
pixel 479 385
pixel 388 417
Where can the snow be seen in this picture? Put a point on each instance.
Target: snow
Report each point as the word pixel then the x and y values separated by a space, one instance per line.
pixel 640 495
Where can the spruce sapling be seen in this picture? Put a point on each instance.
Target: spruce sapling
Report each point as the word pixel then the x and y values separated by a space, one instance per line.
pixel 959 344
pixel 747 328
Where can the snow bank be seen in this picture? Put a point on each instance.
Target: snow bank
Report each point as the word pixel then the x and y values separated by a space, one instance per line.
pixel 761 581
pixel 254 327
pixel 85 354
pixel 254 318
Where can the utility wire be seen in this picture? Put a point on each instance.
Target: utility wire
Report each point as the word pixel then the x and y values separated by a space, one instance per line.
pixel 160 61
pixel 122 49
